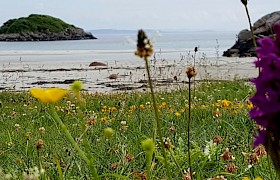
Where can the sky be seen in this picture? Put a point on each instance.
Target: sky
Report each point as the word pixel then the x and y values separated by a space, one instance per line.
pixel 147 14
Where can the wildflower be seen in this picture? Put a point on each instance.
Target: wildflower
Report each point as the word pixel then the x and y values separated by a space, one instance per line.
pixel 128 157
pixel 253 158
pixel 172 129
pixel 39 144
pixel 27 136
pixel 144 46
pixel 114 165
pixel 177 114
pixel 257 178
pixel 227 155
pixel 191 72
pixel 17 126
pixel 217 178
pixel 50 95
pixel 187 176
pixel 226 103
pixel 42 130
pixel 260 150
pixel 217 139
pixel 123 126
pixel 167 144
pixel 217 113
pixel 231 167
pixel 142 106
pixel 266 100
pixel 91 121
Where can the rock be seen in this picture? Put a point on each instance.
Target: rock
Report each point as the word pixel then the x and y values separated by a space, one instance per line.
pixel 97 64
pixel 113 76
pixel 264 25
pixel 41 28
pixel 244 35
pixel 244 46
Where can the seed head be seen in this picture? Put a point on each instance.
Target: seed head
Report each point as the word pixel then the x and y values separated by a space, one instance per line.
pixel 39 144
pixel 191 72
pixel 227 155
pixel 244 2
pixel 144 46
pixel 260 150
pixel 217 139
pixel 231 167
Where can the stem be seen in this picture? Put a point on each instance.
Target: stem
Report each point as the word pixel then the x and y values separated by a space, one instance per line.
pixel 194 76
pixel 252 32
pixel 189 124
pixel 158 122
pixel 176 163
pixel 149 157
pixel 73 142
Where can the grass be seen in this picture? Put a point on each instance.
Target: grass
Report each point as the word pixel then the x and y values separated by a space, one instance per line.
pixel 34 23
pixel 219 109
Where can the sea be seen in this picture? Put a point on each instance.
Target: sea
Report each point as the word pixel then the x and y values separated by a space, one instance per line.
pixel 119 45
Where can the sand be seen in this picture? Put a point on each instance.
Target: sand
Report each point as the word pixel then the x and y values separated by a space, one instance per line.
pixel 25 72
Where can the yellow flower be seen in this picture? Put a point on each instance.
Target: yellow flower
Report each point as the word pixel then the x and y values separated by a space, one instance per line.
pixel 250 105
pixel 226 103
pixel 50 95
pixel 177 114
pixel 257 178
pixel 142 106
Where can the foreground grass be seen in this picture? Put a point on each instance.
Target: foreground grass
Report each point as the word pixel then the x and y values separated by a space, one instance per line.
pixel 220 109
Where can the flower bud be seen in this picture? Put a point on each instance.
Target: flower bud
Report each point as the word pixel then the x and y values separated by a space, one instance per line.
pixel 191 72
pixel 108 132
pixel 148 145
pixel 77 86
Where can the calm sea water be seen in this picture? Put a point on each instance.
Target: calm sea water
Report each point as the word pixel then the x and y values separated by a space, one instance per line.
pixel 119 46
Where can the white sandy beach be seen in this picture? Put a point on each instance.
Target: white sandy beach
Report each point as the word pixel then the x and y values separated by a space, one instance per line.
pixel 23 70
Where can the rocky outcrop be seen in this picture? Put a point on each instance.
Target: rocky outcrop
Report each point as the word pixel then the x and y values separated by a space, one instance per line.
pixel 97 64
pixel 68 34
pixel 244 46
pixel 38 27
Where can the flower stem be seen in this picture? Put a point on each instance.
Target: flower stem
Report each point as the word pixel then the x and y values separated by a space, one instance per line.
pixel 149 157
pixel 189 124
pixel 251 30
pixel 158 122
pixel 74 143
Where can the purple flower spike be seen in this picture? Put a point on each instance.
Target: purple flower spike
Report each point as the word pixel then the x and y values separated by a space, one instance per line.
pixel 266 100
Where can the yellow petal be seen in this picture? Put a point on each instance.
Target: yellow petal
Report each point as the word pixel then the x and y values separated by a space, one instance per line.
pixel 245 178
pixel 50 95
pixel 258 178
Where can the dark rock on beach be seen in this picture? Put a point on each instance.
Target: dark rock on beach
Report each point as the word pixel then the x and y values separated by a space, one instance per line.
pixel 41 28
pixel 244 46
pixel 97 64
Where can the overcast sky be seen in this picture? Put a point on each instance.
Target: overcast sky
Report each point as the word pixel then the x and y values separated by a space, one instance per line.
pixel 147 14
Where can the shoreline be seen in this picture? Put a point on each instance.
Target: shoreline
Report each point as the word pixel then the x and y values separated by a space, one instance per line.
pixel 117 75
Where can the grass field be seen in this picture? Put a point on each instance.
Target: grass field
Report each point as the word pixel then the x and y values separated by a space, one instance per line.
pixel 219 121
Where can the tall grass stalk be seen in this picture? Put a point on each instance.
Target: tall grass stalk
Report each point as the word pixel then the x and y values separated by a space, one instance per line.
pixel 189 127
pixel 74 143
pixel 245 3
pixel 158 122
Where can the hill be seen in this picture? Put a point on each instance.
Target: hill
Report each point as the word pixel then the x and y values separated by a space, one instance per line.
pixel 40 28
